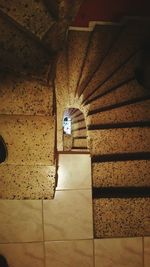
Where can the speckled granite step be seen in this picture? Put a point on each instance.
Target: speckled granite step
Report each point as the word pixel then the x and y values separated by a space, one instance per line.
pixel 77 118
pixel 120 77
pixel 81 132
pixel 121 173
pixel 28 56
pixel 125 47
pixel 24 12
pixel 27 181
pixel 122 114
pixel 29 139
pixel 128 91
pixel 77 45
pixel 78 125
pixel 100 42
pixel 80 142
pixel 121 217
pixel 28 129
pixel 123 140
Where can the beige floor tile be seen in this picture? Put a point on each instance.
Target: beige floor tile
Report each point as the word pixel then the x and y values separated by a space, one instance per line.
pixel 23 255
pixel 146 251
pixel 121 252
pixel 20 221
pixel 74 171
pixel 77 253
pixel 69 215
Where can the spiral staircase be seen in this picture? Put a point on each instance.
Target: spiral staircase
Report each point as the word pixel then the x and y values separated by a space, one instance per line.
pixel 96 77
pixel 45 69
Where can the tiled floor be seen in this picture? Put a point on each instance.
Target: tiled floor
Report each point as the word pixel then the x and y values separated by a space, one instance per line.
pixel 118 252
pixel 59 232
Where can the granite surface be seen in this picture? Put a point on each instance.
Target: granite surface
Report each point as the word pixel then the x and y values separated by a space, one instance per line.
pixel 78 125
pixel 125 92
pixel 21 54
pixel 80 142
pixel 29 139
pixel 124 73
pixel 80 133
pixel 128 42
pixel 116 217
pixel 27 182
pixel 123 173
pixel 25 97
pixel 77 45
pixel 119 140
pixel 32 15
pixel 100 41
pixel 67 142
pixel 131 113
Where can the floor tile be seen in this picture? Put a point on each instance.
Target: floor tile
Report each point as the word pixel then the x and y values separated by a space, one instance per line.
pixel 74 171
pixel 23 255
pixel 69 215
pixel 146 251
pixel 121 252
pixel 20 221
pixel 69 253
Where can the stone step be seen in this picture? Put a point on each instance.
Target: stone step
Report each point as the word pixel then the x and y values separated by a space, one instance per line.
pixel 77 118
pixel 33 16
pixel 80 142
pixel 121 217
pixel 62 80
pixel 29 139
pixel 78 125
pixel 20 54
pixel 121 140
pixel 77 46
pixel 125 47
pixel 25 97
pixel 124 75
pixel 138 112
pixel 100 42
pixel 79 132
pixel 76 113
pixel 130 92
pixel 121 173
pixel 27 181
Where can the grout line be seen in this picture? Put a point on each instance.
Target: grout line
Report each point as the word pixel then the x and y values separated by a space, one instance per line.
pixel 73 189
pixel 89 238
pixel 92 199
pixel 44 252
pixel 92 215
pixel 93 253
pixel 69 240
pixel 20 242
pixel 143 258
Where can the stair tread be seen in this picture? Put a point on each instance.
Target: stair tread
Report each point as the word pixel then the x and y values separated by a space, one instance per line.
pixel 33 16
pixel 127 93
pixel 117 217
pixel 126 46
pixel 101 40
pixel 77 45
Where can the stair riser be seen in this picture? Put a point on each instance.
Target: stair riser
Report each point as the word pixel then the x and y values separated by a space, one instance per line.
pixel 119 141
